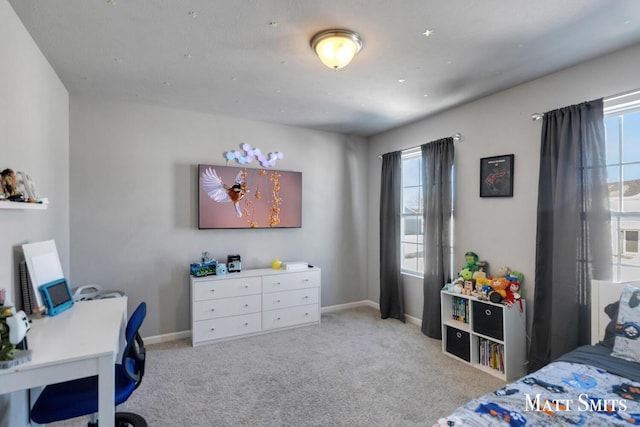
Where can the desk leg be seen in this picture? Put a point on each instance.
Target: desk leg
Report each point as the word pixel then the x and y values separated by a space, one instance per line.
pixel 106 391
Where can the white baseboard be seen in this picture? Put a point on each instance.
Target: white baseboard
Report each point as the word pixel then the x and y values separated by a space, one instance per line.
pixel 174 336
pixel 367 303
pixel 338 307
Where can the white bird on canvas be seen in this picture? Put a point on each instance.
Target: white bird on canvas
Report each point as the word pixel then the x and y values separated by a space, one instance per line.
pixel 216 189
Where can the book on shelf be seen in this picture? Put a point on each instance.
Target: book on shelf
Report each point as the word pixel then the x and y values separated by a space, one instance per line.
pixel 460 309
pixel 491 354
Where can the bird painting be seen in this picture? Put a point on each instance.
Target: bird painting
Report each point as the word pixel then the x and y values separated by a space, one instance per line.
pixel 220 192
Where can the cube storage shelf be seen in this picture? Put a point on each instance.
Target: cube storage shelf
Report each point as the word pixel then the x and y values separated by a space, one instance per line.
pixel 253 302
pixel 488 336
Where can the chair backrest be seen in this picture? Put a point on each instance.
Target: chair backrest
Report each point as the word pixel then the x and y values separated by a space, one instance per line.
pixel 134 355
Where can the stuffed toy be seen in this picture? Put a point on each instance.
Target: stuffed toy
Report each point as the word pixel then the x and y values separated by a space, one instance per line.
pixel 499 286
pixel 512 293
pixel 482 266
pixel 479 275
pixel 7 350
pixel 9 182
pixel 503 271
pixel 466 274
pixel 471 261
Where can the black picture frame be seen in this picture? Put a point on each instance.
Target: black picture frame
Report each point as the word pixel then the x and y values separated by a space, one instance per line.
pixel 496 176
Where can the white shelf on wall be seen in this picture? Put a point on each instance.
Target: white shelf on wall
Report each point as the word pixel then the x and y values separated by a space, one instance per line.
pixel 4 204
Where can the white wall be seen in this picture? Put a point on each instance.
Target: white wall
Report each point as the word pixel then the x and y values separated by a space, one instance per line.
pixel 134 206
pixel 34 137
pixel 500 230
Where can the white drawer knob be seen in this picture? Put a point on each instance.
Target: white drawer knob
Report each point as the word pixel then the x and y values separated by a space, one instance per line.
pixel 487 312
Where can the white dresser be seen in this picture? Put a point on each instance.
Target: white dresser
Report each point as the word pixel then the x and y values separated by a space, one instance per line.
pixel 252 302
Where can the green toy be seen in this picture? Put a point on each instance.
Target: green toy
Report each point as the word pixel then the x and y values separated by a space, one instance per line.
pixel 8 351
pixel 471 261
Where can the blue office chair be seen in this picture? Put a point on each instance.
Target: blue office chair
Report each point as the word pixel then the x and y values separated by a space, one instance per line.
pixel 79 397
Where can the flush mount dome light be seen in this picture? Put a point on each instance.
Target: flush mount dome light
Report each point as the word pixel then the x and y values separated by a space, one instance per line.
pixel 336 48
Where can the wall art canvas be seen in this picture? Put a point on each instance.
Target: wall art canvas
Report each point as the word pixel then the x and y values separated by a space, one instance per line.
pixel 496 176
pixel 238 197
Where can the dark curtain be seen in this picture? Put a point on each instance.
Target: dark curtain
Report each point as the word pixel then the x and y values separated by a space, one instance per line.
pixel 391 294
pixel 437 187
pixel 573 234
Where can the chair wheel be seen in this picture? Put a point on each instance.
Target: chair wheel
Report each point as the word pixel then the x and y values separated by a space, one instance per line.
pixel 129 419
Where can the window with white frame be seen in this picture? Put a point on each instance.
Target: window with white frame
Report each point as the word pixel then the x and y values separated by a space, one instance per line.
pixel 622 130
pixel 411 232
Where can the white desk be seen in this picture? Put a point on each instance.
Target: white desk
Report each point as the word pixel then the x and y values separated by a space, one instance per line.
pixel 77 343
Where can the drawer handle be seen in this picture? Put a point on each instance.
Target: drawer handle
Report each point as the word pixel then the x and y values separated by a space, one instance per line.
pixel 306 297
pixel 278 300
pixel 213 309
pixel 305 280
pixel 487 312
pixel 458 335
pixel 278 318
pixel 213 290
pixel 306 314
pixel 246 286
pixel 246 305
pixel 213 329
pixel 246 324
pixel 276 283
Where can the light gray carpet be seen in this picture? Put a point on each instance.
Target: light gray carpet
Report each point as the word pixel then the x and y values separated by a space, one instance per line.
pixel 354 369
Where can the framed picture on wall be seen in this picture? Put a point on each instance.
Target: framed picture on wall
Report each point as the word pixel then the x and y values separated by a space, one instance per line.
pixel 496 176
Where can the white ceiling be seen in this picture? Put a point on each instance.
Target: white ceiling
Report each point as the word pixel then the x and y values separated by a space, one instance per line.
pixel 252 59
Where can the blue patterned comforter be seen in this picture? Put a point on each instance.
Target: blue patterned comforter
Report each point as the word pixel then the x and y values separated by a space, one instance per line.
pixel 563 393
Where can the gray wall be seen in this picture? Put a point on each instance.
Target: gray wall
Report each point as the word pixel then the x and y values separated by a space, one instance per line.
pixel 500 230
pixel 34 137
pixel 134 207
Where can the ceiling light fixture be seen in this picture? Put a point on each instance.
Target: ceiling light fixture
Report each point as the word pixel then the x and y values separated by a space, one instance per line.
pixel 336 48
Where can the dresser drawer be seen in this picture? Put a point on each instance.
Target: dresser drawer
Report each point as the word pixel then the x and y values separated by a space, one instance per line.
pixel 223 307
pixel 214 329
pixel 276 300
pixel 487 320
pixel 290 316
pixel 227 287
pixel 291 281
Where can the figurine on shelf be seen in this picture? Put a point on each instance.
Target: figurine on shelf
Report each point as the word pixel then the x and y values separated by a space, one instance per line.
pixel 9 183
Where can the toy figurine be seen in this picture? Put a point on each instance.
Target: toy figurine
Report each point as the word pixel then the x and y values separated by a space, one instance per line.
pixel 9 183
pixel 512 293
pixel 471 260
pixel 468 287
pixel 7 348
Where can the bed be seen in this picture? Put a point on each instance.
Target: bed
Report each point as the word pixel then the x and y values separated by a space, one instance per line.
pixel 594 385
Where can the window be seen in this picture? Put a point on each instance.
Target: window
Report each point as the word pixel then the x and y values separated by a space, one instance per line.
pixel 630 239
pixel 411 233
pixel 622 130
